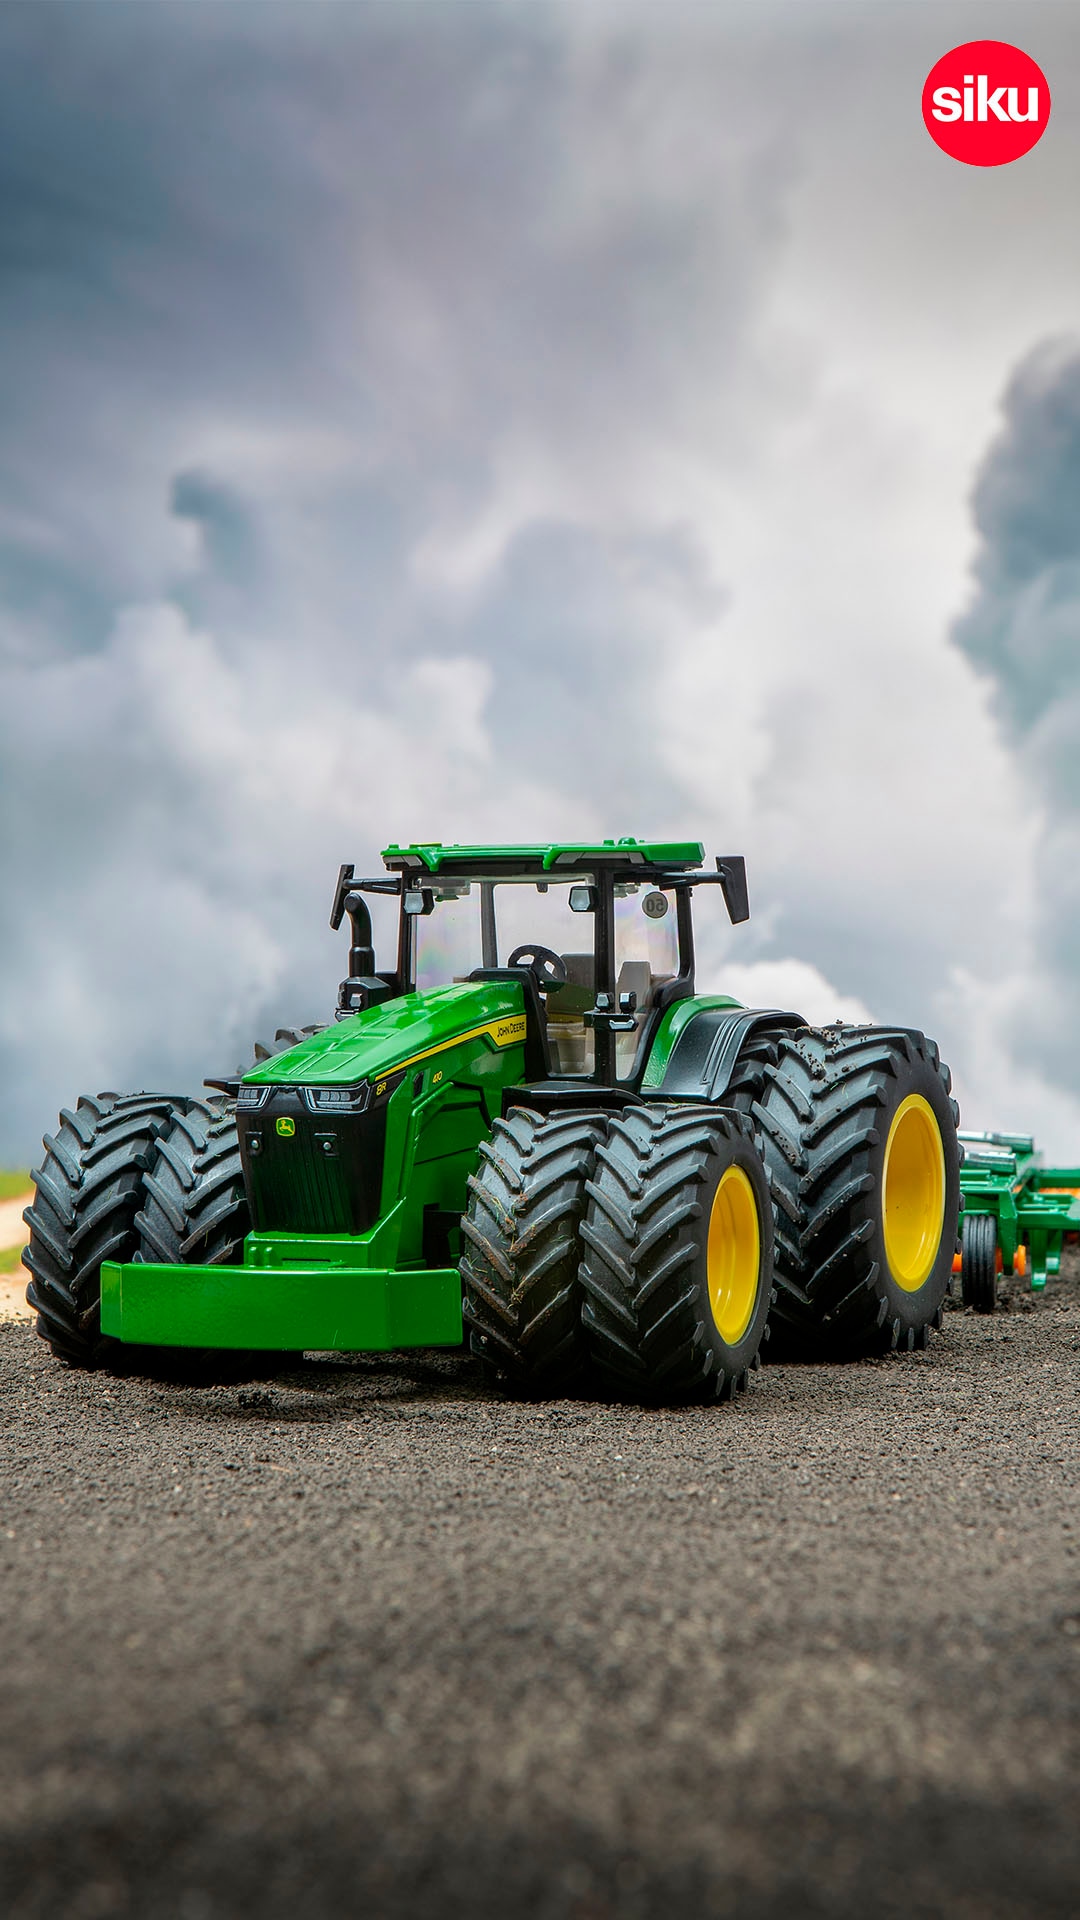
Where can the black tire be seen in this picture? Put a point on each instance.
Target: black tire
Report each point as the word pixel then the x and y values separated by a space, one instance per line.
pixel 978 1262
pixel 750 1072
pixel 826 1115
pixel 89 1189
pixel 652 1331
pixel 521 1250
pixel 284 1038
pixel 196 1209
pixel 196 1213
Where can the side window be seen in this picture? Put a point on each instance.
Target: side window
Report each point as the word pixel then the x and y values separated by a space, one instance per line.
pixel 526 913
pixel 570 1041
pixel 646 955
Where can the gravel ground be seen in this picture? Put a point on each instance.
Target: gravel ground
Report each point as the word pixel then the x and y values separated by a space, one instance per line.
pixel 364 1639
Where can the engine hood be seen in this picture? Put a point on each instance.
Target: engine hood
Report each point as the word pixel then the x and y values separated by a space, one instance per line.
pixel 395 1034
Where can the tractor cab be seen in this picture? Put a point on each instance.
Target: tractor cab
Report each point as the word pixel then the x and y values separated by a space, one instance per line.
pixel 477 928
pixel 601 937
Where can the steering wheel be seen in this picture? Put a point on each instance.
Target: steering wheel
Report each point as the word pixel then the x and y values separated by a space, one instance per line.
pixel 548 968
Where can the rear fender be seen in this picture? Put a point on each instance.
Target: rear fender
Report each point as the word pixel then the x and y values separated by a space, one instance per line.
pixel 703 1058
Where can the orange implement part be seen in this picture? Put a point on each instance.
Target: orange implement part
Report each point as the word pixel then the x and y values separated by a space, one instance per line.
pixel 1019 1264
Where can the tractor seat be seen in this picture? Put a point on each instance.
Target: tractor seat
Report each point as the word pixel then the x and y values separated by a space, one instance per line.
pixel 568 1038
pixel 577 996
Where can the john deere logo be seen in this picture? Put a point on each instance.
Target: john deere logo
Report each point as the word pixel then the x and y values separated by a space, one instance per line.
pixel 507 1031
pixel 286 1128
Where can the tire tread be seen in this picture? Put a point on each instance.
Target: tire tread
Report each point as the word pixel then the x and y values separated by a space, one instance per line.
pixel 521 1251
pixel 820 1117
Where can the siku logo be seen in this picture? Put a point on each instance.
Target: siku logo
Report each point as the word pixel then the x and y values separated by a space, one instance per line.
pixel 986 103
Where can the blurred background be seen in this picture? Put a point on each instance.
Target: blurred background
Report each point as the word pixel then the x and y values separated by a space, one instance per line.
pixel 531 420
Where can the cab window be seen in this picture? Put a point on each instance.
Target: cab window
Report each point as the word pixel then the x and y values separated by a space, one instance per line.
pixel 646 956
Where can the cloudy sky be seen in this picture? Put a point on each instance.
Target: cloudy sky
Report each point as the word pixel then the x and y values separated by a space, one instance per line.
pixel 524 419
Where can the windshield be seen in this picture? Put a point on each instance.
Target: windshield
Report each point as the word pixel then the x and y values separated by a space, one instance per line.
pixel 450 940
pixel 481 923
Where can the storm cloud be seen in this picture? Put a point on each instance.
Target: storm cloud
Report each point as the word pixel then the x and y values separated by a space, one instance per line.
pixel 1022 632
pixel 1023 626
pixel 477 421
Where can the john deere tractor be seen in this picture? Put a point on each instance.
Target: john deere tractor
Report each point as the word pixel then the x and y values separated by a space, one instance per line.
pixel 531 1130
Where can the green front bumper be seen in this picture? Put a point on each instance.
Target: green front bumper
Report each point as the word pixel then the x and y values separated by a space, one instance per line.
pixel 321 1309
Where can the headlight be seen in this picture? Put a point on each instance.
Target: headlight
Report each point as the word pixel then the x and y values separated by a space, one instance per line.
pixel 337 1099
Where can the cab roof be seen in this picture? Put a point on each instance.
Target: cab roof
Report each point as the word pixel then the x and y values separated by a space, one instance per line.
pixel 651 856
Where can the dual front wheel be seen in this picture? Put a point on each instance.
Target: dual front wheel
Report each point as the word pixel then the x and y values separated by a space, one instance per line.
pixel 135 1177
pixel 632 1251
pixel 141 1176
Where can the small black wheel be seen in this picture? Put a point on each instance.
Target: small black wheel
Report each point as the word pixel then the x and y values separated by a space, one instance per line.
pixel 978 1262
pixel 519 1267
pixel 89 1190
pixel 678 1239
pixel 548 968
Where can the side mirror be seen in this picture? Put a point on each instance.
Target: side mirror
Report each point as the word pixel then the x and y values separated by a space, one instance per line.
pixel 732 870
pixel 583 899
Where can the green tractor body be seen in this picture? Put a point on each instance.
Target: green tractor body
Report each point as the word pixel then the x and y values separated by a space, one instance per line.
pixel 356 1146
pixel 530 1128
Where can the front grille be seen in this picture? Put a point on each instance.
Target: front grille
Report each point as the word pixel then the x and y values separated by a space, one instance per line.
pixel 312 1172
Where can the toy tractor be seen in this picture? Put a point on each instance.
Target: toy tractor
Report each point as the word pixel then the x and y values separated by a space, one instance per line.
pixel 531 1129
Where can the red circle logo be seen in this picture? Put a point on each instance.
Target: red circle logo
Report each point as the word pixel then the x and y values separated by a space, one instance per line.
pixel 986 103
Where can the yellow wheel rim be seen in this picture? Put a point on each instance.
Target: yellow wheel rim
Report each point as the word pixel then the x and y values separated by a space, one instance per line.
pixel 913 1192
pixel 734 1255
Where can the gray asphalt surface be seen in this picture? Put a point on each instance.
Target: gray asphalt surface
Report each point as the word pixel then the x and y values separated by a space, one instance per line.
pixel 364 1639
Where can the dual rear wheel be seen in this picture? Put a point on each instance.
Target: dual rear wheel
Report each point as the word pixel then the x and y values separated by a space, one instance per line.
pixel 859 1135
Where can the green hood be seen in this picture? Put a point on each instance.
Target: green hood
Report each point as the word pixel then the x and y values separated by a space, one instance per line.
pixel 396 1033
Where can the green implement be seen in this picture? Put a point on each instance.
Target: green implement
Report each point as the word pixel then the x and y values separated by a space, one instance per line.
pixel 1015 1217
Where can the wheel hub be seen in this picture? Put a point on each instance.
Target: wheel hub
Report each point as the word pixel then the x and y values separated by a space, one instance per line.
pixel 734 1255
pixel 913 1193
